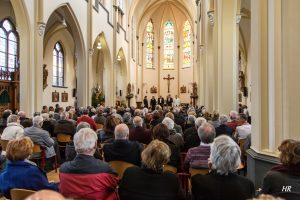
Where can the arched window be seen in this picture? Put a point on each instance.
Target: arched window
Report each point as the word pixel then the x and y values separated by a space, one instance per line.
pixel 9 49
pixel 187 49
pixel 169 45
pixel 149 45
pixel 58 65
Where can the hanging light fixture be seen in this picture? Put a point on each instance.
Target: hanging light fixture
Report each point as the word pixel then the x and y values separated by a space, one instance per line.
pixel 99 46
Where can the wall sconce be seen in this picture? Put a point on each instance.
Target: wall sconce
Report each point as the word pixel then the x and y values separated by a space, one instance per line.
pixel 119 58
pixel 99 46
pixel 210 15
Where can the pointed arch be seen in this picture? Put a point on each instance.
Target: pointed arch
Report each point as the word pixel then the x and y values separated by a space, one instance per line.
pixel 149 45
pixel 187 45
pixel 169 45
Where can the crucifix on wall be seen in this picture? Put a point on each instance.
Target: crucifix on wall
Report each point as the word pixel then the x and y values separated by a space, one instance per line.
pixel 169 79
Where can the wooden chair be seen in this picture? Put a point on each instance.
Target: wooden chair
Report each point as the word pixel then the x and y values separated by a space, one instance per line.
pixel 120 166
pixel 38 149
pixel 20 194
pixel 182 158
pixel 99 126
pixel 4 144
pixel 170 168
pixel 243 164
pixel 63 138
pixel 194 171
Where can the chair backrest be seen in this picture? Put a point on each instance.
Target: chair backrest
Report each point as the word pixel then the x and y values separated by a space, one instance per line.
pixel 170 168
pixel 99 126
pixel 184 182
pixel 241 143
pixel 63 138
pixel 20 194
pixel 120 166
pixel 4 144
pixel 37 148
pixel 194 171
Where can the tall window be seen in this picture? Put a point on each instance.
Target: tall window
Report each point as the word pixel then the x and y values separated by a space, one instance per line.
pixel 58 65
pixel 149 45
pixel 8 49
pixel 187 49
pixel 169 45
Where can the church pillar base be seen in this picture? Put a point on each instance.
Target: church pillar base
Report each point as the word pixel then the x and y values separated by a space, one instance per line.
pixel 258 165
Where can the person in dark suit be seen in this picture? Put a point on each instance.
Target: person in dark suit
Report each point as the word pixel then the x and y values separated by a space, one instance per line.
pixel 160 101
pixel 145 101
pixel 222 182
pixel 153 103
pixel 122 149
pixel 150 181
pixel 169 100
pixel 139 133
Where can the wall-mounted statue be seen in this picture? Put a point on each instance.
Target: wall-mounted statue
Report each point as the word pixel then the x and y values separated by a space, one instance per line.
pixel 45 76
pixel 183 89
pixel 153 90
pixel 194 86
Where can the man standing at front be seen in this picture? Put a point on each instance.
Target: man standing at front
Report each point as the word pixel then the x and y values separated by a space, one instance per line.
pixel 169 100
pixel 160 101
pixel 177 101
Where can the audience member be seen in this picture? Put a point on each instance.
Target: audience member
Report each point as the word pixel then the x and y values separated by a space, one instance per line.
pixel 244 129
pixel 222 182
pixel 106 135
pixel 197 157
pixel 45 195
pixel 174 137
pixel 177 127
pixel 215 119
pixel 190 136
pixel 64 125
pixel 287 173
pixel 161 132
pixel 156 118
pixel 47 124
pixel 86 118
pixel 20 172
pixel 87 177
pixel 13 130
pixel 122 149
pixel 234 122
pixel 223 129
pixel 138 133
pixel 151 182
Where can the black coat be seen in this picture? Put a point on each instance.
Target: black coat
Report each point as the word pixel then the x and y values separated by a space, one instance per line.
pixel 65 127
pixel 191 138
pixel 145 101
pixel 153 103
pixel 224 130
pixel 145 184
pixel 218 187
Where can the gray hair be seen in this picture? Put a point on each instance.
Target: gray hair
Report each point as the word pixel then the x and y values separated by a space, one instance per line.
pixel 121 132
pixel 22 114
pixel 51 114
pixel 138 112
pixel 126 117
pixel 191 119
pixel 37 121
pixel 64 115
pixel 137 121
pixel 225 155
pixel 233 115
pixel 45 116
pixel 207 133
pixel 223 119
pixel 168 122
pixel 85 140
pixel 82 125
pixel 12 118
pixel 199 121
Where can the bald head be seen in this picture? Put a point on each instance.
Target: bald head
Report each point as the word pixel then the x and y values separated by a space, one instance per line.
pixel 45 194
pixel 121 132
pixel 137 121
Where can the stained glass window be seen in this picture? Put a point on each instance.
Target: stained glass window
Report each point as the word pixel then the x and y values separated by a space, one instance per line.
pixel 8 49
pixel 187 49
pixel 169 45
pixel 58 65
pixel 149 45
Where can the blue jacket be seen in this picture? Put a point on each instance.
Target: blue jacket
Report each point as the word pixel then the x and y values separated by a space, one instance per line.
pixel 22 174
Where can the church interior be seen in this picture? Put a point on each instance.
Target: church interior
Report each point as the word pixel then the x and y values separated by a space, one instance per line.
pixel 213 54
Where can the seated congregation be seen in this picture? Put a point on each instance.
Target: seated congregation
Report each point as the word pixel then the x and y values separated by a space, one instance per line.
pixel 132 154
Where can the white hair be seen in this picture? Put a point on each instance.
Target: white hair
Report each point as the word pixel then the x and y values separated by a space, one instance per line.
pixel 82 125
pixel 233 114
pixel 223 119
pixel 45 116
pixel 191 119
pixel 207 133
pixel 225 155
pixel 145 111
pixel 121 132
pixel 137 121
pixel 168 122
pixel 199 121
pixel 85 140
pixel 64 115
pixel 22 114
pixel 12 118
pixel 37 121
